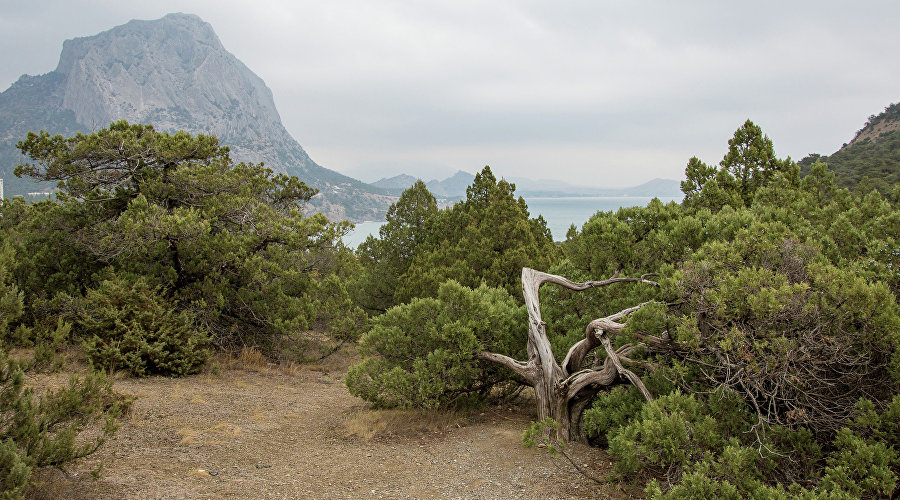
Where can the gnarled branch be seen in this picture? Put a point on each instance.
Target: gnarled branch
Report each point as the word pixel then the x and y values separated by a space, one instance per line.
pixel 562 392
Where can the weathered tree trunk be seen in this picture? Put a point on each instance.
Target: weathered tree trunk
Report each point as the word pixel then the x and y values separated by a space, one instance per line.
pixel 563 392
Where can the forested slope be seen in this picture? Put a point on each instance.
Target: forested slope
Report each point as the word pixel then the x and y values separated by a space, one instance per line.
pixel 871 160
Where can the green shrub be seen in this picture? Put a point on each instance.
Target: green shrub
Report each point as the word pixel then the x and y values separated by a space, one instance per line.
pixel 701 483
pixel 233 243
pixel 687 446
pixel 423 354
pixel 11 298
pixel 800 458
pixel 487 238
pixel 539 434
pixel 617 407
pixel 694 486
pixel 880 426
pixel 612 410
pixel 48 343
pixel 49 430
pixel 859 468
pixel 669 433
pixel 783 293
pixel 131 326
pixel 14 471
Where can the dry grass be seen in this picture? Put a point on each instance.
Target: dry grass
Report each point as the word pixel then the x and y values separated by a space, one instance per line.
pixel 250 358
pixel 338 361
pixel 369 424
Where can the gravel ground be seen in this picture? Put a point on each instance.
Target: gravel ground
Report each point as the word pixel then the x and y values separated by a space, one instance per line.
pixel 269 432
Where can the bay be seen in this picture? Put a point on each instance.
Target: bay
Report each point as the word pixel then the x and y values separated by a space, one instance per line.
pixel 559 212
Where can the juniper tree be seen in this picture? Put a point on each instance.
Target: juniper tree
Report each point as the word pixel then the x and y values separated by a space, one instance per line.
pixel 402 238
pixel 487 238
pixel 228 243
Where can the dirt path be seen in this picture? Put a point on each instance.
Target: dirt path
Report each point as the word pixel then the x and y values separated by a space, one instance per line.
pixel 270 434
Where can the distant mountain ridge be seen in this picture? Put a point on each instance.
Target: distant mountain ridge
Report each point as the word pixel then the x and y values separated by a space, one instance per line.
pixel 175 74
pixel 452 187
pixel 455 187
pixel 396 184
pixel 871 160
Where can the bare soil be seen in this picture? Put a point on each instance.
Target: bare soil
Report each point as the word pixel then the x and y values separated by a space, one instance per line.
pixel 262 431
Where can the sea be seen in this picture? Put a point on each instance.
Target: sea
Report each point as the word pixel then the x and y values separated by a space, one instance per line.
pixel 559 212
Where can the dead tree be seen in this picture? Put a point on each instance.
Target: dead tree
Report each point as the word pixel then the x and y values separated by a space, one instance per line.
pixel 564 391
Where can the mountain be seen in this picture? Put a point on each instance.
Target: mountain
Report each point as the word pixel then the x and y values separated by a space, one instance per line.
pixel 552 188
pixel 655 187
pixel 455 187
pixel 451 187
pixel 395 185
pixel 871 159
pixel 549 187
pixel 175 74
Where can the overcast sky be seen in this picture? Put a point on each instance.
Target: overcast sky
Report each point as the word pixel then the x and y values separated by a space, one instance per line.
pixel 603 93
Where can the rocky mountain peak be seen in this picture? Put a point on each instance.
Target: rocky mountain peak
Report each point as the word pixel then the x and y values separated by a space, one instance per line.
pixel 169 72
pixel 175 74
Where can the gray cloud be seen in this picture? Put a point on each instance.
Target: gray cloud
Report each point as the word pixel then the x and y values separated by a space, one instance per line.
pixel 609 93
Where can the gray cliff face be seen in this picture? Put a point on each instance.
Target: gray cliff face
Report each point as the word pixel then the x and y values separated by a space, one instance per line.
pixel 175 74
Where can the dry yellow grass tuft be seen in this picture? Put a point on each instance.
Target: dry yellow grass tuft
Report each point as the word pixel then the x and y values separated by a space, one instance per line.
pixel 369 424
pixel 225 429
pixel 189 437
pixel 251 357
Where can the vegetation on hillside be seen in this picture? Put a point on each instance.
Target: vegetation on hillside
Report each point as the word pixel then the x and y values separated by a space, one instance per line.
pixel 871 160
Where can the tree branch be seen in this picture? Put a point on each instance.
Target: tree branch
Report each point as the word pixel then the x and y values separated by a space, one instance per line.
pixel 524 370
pixel 612 355
pixel 579 381
pixel 591 340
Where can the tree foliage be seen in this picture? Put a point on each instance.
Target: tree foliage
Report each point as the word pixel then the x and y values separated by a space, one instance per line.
pixel 423 354
pixel 52 429
pixel 487 238
pixel 11 298
pixel 778 296
pixel 771 344
pixel 749 164
pixel 130 326
pixel 775 320
pixel 426 270
pixel 227 245
pixel 801 339
pixel 386 259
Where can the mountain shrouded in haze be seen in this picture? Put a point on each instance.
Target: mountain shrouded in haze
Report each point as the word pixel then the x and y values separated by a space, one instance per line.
pixel 454 187
pixel 174 74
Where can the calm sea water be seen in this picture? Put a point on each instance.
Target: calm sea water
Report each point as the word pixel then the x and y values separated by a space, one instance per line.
pixel 559 213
